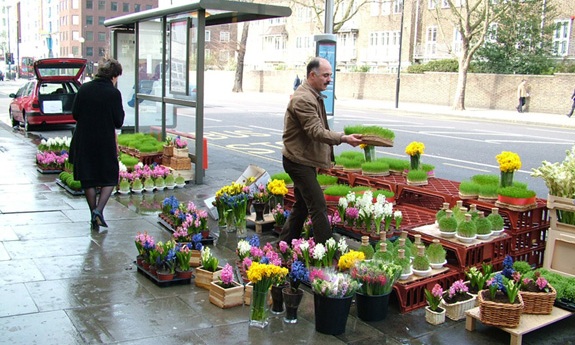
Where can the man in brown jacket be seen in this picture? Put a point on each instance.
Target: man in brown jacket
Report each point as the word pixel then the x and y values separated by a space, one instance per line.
pixel 308 145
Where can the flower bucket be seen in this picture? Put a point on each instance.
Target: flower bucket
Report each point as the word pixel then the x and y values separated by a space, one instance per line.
pixel 331 314
pixel 371 308
pixel 292 301
pixel 434 317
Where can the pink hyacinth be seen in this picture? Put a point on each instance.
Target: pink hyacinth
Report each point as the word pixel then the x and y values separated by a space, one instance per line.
pixel 437 290
pixel 283 246
pixel 541 283
pixel 227 274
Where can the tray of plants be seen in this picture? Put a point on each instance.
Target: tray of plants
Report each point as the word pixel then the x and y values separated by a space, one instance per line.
pixel 374 140
pixel 566 304
pixel 162 283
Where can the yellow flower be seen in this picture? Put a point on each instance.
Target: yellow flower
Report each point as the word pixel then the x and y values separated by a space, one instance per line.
pixel 277 187
pixel 508 161
pixel 348 260
pixel 415 148
pixel 265 272
pixel 362 146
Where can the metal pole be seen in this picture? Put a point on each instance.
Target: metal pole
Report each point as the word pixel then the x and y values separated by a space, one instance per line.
pixel 399 59
pixel 9 72
pixel 328 27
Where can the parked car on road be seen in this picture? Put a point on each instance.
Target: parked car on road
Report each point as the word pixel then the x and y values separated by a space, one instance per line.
pixel 48 98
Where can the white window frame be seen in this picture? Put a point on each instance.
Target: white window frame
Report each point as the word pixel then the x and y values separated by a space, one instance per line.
pixel 397 6
pixel 457 41
pixel 208 36
pixel 561 37
pixel 431 40
pixel 431 4
pixel 224 36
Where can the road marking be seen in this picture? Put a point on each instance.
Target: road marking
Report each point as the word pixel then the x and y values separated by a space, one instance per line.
pixel 268 129
pixel 464 167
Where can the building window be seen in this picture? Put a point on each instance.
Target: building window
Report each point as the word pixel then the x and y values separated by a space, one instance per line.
pixel 89 51
pixel 397 6
pixel 75 51
pixel 431 40
pixel 137 7
pixel 101 51
pixel 561 37
pixel 491 36
pixel 101 37
pixel 75 35
pixel 75 4
pixel 208 36
pixel 89 36
pixel 101 20
pixel 457 41
pixel 75 20
pixel 125 7
pixel 224 55
pixel 114 6
pixel 224 36
pixel 89 20
pixel 101 5
pixel 148 7
pixel 89 4
pixel 431 4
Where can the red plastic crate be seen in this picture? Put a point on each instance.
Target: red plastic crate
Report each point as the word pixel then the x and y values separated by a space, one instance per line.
pixel 533 256
pixel 411 295
pixel 517 221
pixel 422 197
pixel 343 177
pixel 529 239
pixel 463 256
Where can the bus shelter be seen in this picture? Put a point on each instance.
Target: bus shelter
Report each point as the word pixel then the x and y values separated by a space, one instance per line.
pixel 162 54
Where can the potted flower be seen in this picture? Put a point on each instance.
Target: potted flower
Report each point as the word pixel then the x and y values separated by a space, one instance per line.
pixel 332 292
pixel 183 258
pixel 277 189
pixel 169 147
pixel 501 304
pixel 436 254
pixel 170 181
pixel 456 301
pixel 137 185
pixel 260 198
pixel 124 186
pixel 166 262
pixel 292 294
pixel 508 163
pixel 149 185
pixel 538 295
pixel 209 270
pixel 335 192
pixel 280 215
pixel 181 147
pixel 466 230
pixel 478 278
pixel 226 293
pixel 468 190
pixel 414 150
pixel 180 181
pixel 145 244
pixel 376 279
pixel 434 314
pixel 420 264
pixel 416 178
pixel 348 260
pixel 262 276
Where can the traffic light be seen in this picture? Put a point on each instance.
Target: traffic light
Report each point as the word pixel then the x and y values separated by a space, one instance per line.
pixel 10 58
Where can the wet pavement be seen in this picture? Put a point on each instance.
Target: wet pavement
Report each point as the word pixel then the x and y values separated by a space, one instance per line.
pixel 62 284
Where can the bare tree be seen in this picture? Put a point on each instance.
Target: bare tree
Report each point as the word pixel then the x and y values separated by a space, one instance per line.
pixel 239 76
pixel 343 11
pixel 472 19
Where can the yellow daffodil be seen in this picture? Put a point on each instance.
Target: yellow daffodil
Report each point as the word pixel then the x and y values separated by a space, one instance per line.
pixel 508 161
pixel 415 148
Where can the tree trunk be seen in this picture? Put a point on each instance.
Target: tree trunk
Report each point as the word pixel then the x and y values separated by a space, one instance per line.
pixel 459 101
pixel 238 79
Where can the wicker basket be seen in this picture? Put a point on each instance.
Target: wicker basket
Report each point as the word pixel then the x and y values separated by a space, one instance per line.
pixel 538 302
pixel 499 314
pixel 169 150
pixel 178 163
pixel 456 311
pixel 181 152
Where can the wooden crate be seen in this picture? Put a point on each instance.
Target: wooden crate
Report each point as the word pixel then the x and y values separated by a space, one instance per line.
pixel 180 163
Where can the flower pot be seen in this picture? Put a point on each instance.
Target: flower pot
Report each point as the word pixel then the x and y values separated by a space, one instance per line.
pixel 456 311
pixel 484 236
pixel 292 301
pixel 204 278
pixel 540 303
pixel 259 208
pixel 434 317
pixel 331 314
pixel 437 265
pixel 165 275
pixel 226 297
pixel 195 260
pixel 422 273
pixel 184 274
pixel 463 239
pixel 499 314
pixel 524 202
pixel 371 308
pixel 277 298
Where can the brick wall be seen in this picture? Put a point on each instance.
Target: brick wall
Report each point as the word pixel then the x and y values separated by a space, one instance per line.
pixel 549 94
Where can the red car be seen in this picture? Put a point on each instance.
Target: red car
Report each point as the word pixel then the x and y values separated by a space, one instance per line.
pixel 48 98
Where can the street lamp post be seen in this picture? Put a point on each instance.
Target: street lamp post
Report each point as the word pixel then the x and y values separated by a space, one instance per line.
pixel 9 72
pixel 399 60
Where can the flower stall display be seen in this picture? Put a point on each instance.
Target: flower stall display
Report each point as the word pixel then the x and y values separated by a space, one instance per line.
pixel 280 215
pixel 376 280
pixel 372 135
pixel 260 199
pixel 235 200
pixel 226 293
pixel 434 314
pixel 538 295
pixel 508 162
pixel 333 292
pixel 209 270
pixel 262 276
pixel 501 304
pixel 277 189
pixel 50 161
pixel 292 294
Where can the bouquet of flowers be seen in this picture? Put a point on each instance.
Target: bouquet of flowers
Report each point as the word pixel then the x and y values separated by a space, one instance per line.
pixel 508 163
pixel 298 273
pixel 415 150
pixel 348 260
pixel 262 277
pixel 208 261
pixel 261 194
pixel 330 283
pixel 180 143
pixel 280 214
pixel 376 278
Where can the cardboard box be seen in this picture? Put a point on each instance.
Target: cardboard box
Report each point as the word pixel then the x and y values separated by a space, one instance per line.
pixel 260 177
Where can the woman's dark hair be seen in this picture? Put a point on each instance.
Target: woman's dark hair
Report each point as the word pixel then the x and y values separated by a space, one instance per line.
pixel 109 68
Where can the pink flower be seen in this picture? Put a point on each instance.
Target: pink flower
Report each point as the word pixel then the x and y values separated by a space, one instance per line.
pixel 283 246
pixel 247 263
pixel 457 287
pixel 437 290
pixel 227 274
pixel 541 283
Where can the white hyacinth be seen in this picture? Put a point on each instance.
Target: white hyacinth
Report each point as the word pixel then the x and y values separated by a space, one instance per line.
pixel 330 243
pixel 304 246
pixel 397 214
pixel 343 202
pixel 318 251
pixel 244 247
pixel 342 245
pixel 351 198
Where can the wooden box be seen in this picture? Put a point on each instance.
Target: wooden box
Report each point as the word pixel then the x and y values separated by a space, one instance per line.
pixel 205 278
pixel 179 163
pixel 227 298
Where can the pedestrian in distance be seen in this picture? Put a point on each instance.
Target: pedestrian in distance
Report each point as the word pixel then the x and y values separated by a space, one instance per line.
pixel 98 113
pixel 296 82
pixel 573 105
pixel 308 145
pixel 522 95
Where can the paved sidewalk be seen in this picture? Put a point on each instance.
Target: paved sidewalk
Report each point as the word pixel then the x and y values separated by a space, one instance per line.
pixel 62 284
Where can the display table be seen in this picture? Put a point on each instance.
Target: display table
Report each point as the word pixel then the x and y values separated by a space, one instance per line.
pixel 527 324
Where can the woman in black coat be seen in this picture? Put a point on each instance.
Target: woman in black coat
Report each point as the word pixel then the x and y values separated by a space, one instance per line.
pixel 98 113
